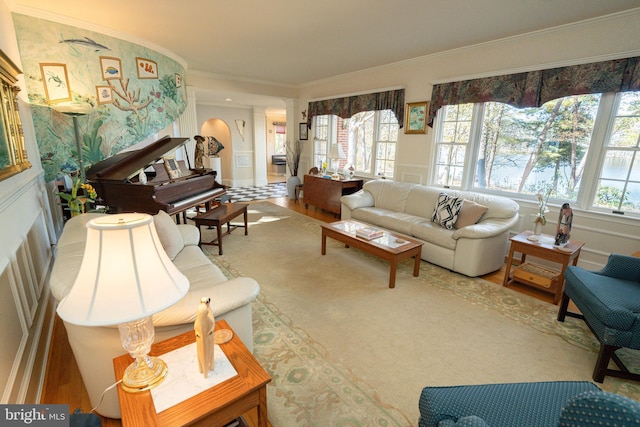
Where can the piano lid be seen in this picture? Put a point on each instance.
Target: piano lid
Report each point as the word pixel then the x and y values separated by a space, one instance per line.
pixel 128 163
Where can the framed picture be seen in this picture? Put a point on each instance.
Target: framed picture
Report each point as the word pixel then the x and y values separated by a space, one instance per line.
pixel 304 131
pixel 416 117
pixel 111 68
pixel 147 69
pixel 171 165
pixel 178 80
pixel 104 94
pixel 56 82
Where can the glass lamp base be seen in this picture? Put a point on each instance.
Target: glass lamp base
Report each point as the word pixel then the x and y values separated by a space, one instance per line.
pixel 141 376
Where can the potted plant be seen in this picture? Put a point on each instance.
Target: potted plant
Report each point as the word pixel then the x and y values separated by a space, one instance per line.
pixel 293 161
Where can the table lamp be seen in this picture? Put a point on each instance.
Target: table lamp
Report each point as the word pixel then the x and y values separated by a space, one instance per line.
pixel 125 277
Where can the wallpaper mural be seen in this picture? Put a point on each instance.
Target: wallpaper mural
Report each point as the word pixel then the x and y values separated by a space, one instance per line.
pixel 133 91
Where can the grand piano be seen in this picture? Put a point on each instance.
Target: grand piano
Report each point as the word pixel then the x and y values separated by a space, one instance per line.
pixel 118 186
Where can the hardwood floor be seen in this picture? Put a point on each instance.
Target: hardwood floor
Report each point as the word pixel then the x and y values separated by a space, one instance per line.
pixel 63 383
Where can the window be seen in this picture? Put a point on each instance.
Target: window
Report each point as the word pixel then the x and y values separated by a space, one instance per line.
pixel 366 140
pixel 499 148
pixel 281 138
pixel 618 185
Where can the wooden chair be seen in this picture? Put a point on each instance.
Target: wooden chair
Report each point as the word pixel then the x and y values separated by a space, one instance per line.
pixel 312 171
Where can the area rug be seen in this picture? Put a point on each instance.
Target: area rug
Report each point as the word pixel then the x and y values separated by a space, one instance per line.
pixel 345 350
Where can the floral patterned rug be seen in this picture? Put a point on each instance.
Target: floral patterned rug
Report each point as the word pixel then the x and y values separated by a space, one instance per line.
pixel 316 383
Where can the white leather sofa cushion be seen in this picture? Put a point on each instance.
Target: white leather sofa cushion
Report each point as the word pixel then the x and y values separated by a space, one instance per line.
pixel 433 233
pixel 389 194
pixel 169 235
pixel 385 218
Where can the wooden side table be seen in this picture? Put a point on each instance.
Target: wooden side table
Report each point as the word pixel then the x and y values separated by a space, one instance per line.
pixel 216 406
pixel 543 248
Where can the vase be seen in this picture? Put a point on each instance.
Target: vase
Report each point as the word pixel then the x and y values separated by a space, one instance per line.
pixel 537 228
pixel 292 182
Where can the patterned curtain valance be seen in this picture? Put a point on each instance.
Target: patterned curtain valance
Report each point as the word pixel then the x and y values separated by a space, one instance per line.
pixel 534 88
pixel 348 106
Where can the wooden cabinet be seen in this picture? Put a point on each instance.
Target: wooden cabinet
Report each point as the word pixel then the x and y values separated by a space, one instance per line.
pixel 325 193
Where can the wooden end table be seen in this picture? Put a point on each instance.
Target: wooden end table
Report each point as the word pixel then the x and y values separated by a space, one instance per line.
pixel 219 216
pixel 392 247
pixel 543 248
pixel 216 406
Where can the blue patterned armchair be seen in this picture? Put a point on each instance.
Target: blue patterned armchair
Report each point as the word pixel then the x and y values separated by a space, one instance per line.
pixel 609 300
pixel 542 404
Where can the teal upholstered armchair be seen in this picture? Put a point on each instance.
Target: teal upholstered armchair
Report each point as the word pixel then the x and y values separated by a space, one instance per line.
pixel 609 301
pixel 542 404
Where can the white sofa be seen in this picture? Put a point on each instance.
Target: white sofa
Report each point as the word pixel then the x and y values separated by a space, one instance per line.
pixel 95 347
pixel 473 250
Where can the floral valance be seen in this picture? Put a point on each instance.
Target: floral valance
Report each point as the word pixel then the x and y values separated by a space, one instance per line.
pixel 348 106
pixel 532 89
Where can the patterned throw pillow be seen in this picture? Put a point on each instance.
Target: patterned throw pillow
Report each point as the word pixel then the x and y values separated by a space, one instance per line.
pixel 446 211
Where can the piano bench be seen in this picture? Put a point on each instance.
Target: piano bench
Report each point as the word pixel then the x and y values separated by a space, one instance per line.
pixel 219 216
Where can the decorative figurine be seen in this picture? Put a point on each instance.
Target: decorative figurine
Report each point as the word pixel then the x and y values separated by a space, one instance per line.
pixel 203 327
pixel 198 155
pixel 563 229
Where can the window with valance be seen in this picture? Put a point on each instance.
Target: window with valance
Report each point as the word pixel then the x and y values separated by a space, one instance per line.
pixel 348 106
pixel 533 89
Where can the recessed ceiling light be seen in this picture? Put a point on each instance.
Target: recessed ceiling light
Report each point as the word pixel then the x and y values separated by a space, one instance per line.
pixel 228 99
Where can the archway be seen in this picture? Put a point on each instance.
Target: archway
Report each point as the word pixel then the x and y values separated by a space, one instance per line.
pixel 220 130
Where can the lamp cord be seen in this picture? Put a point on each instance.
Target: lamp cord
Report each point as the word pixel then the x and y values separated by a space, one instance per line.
pixel 102 395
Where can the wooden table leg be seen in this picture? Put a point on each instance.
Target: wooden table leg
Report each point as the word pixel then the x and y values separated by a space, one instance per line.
pixel 416 263
pixel 392 274
pixel 262 408
pixel 219 230
pixel 324 243
pixel 246 229
pixel 507 270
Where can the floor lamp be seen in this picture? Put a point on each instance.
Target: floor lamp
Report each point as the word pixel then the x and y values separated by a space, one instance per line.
pixel 125 277
pixel 75 111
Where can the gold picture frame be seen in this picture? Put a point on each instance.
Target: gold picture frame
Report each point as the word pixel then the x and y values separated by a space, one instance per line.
pixel 56 82
pixel 13 154
pixel 416 117
pixel 104 95
pixel 147 69
pixel 111 68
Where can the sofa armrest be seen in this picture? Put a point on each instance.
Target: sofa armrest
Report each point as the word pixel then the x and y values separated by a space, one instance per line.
pixel 599 408
pixel 190 234
pixel 622 267
pixel 359 199
pixel 225 297
pixel 486 228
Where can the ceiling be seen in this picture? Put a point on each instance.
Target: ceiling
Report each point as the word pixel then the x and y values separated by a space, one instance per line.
pixel 296 42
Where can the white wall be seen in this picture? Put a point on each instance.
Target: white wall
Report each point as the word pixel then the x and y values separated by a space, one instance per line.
pixel 26 231
pixel 600 39
pixel 235 155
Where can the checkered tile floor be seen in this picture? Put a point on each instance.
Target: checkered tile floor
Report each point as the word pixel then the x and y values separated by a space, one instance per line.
pixel 247 194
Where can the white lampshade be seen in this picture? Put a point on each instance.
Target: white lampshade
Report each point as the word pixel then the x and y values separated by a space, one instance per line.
pixel 125 274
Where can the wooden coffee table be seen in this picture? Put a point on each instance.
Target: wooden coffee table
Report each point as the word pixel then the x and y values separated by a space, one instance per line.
pixel 219 216
pixel 392 247
pixel 216 406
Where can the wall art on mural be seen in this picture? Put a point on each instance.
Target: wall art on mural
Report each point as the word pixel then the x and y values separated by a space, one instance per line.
pixel 56 82
pixel 104 94
pixel 178 80
pixel 111 68
pixel 147 69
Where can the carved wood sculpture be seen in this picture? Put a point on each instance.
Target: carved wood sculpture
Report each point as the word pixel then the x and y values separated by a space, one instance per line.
pixel 203 326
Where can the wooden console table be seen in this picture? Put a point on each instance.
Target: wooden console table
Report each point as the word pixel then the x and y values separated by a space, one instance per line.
pixel 325 193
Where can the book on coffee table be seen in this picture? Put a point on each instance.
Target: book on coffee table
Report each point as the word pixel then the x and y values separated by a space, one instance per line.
pixel 369 233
